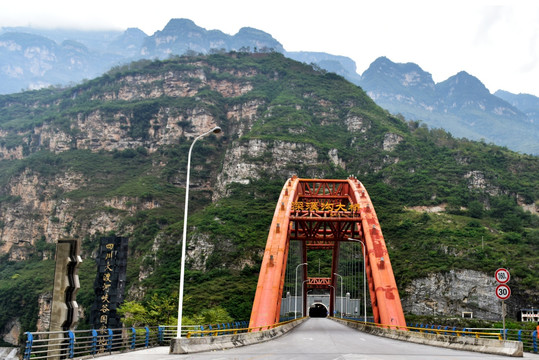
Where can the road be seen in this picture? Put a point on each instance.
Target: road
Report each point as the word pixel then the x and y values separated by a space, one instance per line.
pixel 321 339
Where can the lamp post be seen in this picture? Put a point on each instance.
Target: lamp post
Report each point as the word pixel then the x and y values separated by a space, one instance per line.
pixel 296 291
pixel 289 298
pixel 302 292
pixel 341 292
pixel 215 130
pixel 307 297
pixel 334 300
pixel 364 277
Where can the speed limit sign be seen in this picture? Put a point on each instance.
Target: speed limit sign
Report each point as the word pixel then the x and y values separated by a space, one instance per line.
pixel 502 276
pixel 503 292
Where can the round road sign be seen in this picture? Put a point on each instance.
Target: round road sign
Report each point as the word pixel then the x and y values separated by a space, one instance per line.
pixel 503 292
pixel 502 276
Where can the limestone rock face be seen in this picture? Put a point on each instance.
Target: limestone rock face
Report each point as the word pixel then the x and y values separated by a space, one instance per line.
pixel 452 293
pixel 44 315
pixel 391 141
pixel 246 161
pixel 477 180
pixel 12 331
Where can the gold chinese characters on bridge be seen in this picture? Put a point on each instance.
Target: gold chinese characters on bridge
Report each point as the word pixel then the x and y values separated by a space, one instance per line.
pixel 323 206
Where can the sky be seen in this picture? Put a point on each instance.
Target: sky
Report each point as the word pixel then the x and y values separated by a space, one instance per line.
pixel 496 41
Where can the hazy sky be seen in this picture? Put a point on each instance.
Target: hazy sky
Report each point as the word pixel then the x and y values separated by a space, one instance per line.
pixel 496 41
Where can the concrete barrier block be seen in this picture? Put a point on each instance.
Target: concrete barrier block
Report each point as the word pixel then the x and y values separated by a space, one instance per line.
pixel 210 343
pixel 487 346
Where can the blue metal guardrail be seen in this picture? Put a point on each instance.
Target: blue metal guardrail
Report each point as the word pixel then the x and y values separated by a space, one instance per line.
pixel 81 343
pixel 529 338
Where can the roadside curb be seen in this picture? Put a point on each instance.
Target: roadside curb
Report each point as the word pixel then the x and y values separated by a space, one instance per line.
pixel 487 346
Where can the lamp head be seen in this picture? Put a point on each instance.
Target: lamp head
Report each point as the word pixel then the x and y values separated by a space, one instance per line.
pixel 216 130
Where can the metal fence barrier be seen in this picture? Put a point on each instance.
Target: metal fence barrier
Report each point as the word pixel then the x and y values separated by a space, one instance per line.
pixel 238 328
pixel 529 338
pixel 90 343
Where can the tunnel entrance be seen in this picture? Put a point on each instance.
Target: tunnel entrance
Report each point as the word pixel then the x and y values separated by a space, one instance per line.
pixel 318 310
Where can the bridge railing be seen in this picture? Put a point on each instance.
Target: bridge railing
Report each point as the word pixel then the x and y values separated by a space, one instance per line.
pixel 86 343
pixel 234 331
pixel 529 338
pixel 80 343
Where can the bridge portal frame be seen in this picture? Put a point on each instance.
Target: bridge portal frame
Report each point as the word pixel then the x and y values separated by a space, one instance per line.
pixel 322 213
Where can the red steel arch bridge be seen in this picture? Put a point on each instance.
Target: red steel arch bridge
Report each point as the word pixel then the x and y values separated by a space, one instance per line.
pixel 324 214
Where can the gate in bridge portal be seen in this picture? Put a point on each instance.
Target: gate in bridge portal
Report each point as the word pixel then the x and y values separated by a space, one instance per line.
pixel 322 214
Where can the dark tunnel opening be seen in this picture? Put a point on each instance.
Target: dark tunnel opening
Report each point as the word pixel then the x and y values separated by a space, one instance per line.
pixel 318 310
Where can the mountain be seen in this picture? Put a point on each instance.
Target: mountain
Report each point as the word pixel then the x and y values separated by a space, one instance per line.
pixel 92 39
pixel 109 156
pixel 388 83
pixel 34 58
pixel 182 35
pixel 526 103
pixel 42 58
pixel 128 44
pixel 30 61
pixel 341 65
pixel 461 104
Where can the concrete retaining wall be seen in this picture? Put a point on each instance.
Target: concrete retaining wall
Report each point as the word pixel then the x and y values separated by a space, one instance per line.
pixel 208 343
pixel 488 346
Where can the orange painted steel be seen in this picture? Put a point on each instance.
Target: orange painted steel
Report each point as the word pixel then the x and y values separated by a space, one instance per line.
pixel 322 213
pixel 385 299
pixel 267 303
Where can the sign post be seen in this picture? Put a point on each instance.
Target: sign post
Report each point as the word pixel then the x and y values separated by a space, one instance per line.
pixel 503 292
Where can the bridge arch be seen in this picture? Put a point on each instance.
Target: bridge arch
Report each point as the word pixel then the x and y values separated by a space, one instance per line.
pixel 321 214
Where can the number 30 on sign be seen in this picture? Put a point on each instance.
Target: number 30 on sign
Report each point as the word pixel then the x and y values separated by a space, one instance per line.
pixel 503 292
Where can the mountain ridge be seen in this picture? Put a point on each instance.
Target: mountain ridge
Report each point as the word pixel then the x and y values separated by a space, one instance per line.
pixel 461 104
pixel 474 114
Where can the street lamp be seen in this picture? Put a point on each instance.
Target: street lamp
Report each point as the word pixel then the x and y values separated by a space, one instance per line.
pixel 215 130
pixel 302 292
pixel 288 296
pixel 364 277
pixel 334 300
pixel 296 291
pixel 341 292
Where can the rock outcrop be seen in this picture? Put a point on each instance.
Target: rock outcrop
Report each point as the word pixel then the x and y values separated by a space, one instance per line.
pixel 452 293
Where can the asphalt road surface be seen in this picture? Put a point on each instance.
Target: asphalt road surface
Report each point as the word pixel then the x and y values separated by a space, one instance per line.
pixel 321 339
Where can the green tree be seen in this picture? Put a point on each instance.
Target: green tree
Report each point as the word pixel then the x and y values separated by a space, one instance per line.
pixel 215 315
pixel 511 222
pixel 162 310
pixel 475 209
pixel 133 314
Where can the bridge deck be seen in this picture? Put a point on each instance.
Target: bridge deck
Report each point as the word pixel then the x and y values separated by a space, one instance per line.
pixel 321 339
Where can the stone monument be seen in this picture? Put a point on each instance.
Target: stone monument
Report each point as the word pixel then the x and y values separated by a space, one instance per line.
pixel 64 313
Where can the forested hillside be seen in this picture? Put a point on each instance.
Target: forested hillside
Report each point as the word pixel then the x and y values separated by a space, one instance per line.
pixel 109 157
